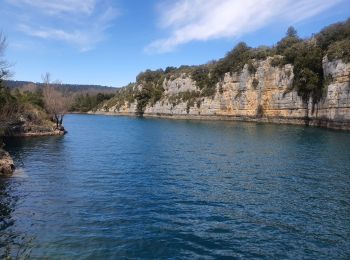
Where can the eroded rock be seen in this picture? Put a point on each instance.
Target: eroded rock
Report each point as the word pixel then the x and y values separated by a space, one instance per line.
pixel 7 166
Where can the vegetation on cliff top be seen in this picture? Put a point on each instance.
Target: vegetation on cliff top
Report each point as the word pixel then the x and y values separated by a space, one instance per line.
pixel 305 55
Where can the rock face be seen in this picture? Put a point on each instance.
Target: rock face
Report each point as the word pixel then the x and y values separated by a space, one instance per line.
pixel 25 129
pixel 265 96
pixel 6 164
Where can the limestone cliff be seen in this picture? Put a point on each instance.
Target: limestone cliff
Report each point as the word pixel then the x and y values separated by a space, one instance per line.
pixel 265 95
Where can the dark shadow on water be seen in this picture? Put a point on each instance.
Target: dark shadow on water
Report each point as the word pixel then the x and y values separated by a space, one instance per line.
pixel 18 243
pixel 14 244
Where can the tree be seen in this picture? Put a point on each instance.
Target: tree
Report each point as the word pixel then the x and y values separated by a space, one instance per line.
pixel 4 66
pixel 8 104
pixel 291 32
pixel 57 103
pixel 288 41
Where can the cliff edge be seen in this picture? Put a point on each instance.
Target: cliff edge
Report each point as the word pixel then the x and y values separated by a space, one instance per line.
pixel 296 81
pixel 265 95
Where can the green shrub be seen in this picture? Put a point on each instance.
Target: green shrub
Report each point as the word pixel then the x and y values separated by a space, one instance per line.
pixel 152 88
pixel 87 102
pixel 251 67
pixel 333 33
pixel 288 41
pixel 125 94
pixel 191 97
pixel 339 50
pixel 308 71
pixel 277 61
pixel 262 52
pixel 234 61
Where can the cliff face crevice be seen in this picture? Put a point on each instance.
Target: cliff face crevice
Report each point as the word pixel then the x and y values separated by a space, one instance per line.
pixel 265 95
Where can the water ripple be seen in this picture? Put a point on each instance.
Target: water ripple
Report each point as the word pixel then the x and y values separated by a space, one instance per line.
pixel 127 188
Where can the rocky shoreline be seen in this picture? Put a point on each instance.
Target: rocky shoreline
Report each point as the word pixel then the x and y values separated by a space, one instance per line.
pixel 7 166
pixel 323 123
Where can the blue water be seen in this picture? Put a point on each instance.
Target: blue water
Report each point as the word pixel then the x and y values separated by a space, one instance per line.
pixel 121 188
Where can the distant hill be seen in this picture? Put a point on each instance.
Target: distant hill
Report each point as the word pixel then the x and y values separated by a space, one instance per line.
pixel 13 84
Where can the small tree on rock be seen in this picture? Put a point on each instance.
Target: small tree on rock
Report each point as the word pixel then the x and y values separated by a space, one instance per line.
pixel 57 102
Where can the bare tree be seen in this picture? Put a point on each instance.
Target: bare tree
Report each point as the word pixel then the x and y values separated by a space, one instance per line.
pixel 7 107
pixel 30 87
pixel 4 66
pixel 57 102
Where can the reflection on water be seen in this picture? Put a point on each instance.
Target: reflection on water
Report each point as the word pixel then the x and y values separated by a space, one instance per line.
pixel 16 242
pixel 13 243
pixel 118 187
pixel 19 173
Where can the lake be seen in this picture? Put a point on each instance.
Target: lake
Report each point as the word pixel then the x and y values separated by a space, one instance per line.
pixel 123 187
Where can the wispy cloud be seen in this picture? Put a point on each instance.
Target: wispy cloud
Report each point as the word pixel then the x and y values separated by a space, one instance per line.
pixel 57 6
pixel 81 23
pixel 201 20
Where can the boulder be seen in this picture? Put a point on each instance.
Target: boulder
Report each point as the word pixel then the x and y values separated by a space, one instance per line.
pixel 7 166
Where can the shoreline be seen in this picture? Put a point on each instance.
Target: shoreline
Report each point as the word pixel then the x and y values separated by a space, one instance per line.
pixel 37 134
pixel 320 123
pixel 7 166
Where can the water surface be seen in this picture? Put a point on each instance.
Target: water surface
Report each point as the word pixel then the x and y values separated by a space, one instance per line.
pixel 119 187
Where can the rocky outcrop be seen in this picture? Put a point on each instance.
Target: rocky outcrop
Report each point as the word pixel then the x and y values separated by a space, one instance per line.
pixel 7 166
pixel 265 96
pixel 27 129
pixel 24 129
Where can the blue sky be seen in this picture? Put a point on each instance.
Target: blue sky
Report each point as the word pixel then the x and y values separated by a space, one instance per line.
pixel 109 42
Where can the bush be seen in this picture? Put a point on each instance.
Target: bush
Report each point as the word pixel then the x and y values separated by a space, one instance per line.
pixel 125 94
pixel 339 50
pixel 333 33
pixel 201 76
pixel 251 67
pixel 277 61
pixel 234 61
pixel 191 97
pixel 152 88
pixel 288 41
pixel 87 102
pixel 262 52
pixel 308 71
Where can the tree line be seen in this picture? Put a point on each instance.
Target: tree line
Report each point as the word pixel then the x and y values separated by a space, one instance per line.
pixel 36 102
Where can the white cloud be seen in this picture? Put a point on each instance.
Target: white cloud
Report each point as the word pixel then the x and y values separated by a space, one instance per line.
pixel 81 23
pixel 201 20
pixel 57 6
pixel 85 41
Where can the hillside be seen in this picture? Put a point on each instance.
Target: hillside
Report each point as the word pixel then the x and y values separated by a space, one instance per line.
pixel 299 81
pixel 82 98
pixel 13 84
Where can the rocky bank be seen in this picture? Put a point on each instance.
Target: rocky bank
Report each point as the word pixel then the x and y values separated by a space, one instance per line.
pixel 24 129
pixel 263 96
pixel 7 166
